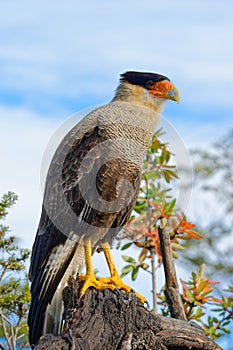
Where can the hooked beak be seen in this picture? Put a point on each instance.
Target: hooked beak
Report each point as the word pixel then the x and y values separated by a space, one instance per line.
pixel 173 94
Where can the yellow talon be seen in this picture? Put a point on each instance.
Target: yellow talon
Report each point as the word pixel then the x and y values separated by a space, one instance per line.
pixel 112 282
pixel 116 282
pixel 91 281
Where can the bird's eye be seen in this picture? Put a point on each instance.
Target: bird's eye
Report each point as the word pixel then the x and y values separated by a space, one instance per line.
pixel 150 84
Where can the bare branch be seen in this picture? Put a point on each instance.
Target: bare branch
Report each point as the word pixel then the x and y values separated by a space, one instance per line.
pixel 153 269
pixel 172 288
pixel 6 334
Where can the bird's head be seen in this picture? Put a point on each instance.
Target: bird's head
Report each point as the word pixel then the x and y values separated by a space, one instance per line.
pixel 149 89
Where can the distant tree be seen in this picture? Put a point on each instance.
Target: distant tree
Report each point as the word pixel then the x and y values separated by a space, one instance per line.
pixel 213 189
pixel 14 288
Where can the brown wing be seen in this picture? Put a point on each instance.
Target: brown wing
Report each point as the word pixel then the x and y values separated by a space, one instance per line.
pixel 61 177
pixel 80 182
pixel 52 250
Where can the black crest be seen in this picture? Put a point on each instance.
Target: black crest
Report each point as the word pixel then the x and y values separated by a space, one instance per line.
pixel 141 78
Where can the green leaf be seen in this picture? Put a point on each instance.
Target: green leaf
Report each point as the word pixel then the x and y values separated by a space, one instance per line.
pixel 177 246
pixel 126 269
pixel 151 174
pixel 135 273
pixel 190 295
pixel 126 246
pixel 170 206
pixel 169 175
pixel 129 259
pixel 139 207
pixel 118 245
pixel 225 330
pixel 216 310
pixel 199 312
pixel 167 156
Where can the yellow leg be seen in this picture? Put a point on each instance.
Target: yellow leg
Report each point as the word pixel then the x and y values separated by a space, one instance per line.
pixel 115 279
pixel 112 283
pixel 89 279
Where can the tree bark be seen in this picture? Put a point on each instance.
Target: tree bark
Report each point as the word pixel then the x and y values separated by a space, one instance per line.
pixel 106 320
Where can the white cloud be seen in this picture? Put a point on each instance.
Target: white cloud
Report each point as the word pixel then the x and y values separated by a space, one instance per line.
pixel 74 49
pixel 24 136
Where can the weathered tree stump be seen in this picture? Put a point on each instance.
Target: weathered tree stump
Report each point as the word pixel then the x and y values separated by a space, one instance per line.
pixel 106 320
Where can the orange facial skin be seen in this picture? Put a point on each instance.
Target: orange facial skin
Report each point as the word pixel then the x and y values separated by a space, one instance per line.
pixel 160 88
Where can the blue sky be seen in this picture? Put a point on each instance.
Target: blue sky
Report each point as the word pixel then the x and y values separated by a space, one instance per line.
pixel 59 57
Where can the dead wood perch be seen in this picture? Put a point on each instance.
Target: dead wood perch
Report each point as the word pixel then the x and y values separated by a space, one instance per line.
pixel 172 288
pixel 106 320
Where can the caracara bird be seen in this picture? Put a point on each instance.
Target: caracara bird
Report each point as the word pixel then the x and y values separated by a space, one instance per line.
pixel 91 189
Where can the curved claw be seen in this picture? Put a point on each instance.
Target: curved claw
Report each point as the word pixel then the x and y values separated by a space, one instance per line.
pixel 91 281
pixel 141 298
pixel 117 282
